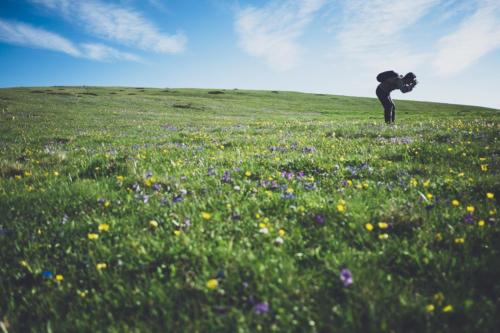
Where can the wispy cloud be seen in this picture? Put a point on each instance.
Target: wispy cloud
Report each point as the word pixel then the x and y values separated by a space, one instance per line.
pixel 476 36
pixel 27 35
pixel 272 32
pixel 18 33
pixel 115 23
pixel 371 31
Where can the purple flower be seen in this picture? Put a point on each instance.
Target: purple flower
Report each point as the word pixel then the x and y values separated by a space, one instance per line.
pixel 177 198
pixel 469 218
pixel 261 308
pixel 101 200
pixel 300 174
pixel 149 174
pixel 319 219
pixel 346 277
pixel 156 187
pixel 287 196
pixel 226 177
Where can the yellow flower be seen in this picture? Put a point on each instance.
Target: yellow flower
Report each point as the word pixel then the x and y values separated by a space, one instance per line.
pixel 92 236
pixel 341 208
pixel 153 224
pixel 103 227
pixel 59 277
pixel 212 284
pixel 17 177
pixel 248 173
pixel 56 173
pixel 106 204
pixel 492 211
pixel 81 293
pixel 427 183
pixel 177 232
pixel 484 167
pixel 481 223
pixel 459 240
pixel 383 236
pixel 383 225
pixel 349 183
pixel 365 185
pixel 120 178
pixel 413 182
pixel 439 298
pixel 27 173
pixel 448 308
pixel 369 226
pixel 470 209
pixel 455 202
pixel 289 190
pixel 429 196
pixel 490 195
pixel 430 308
pixel 206 216
pixel 281 232
pixel 101 266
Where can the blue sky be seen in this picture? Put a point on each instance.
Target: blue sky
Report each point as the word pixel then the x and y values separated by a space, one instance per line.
pixel 327 46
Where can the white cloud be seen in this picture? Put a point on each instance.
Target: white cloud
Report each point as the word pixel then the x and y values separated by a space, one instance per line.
pixel 371 31
pixel 103 53
pixel 112 22
pixel 26 35
pixel 476 36
pixel 271 32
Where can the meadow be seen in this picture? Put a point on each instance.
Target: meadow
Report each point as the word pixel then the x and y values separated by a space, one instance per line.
pixel 189 210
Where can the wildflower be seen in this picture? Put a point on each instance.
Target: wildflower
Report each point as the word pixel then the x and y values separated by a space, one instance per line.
pixel 383 236
pixel 289 190
pixel 27 174
pixel 470 209
pixel 264 230
pixel 47 274
pixel 206 216
pixel 448 308
pixel 177 232
pixel 248 173
pixel 56 173
pixel 430 308
pixel 82 293
pixel 481 223
pixel 92 236
pixel 279 240
pixel 153 224
pixel 103 227
pixel 439 298
pixel 24 263
pixel 455 202
pixel 107 204
pixel 101 266
pixel 261 308
pixel 281 232
pixel 459 240
pixel 346 277
pixel 383 225
pixel 427 183
pixel 484 167
pixel 369 226
pixel 429 196
pixel 490 195
pixel 212 284
pixel 59 277
pixel 341 207
pixel 413 182
pixel 17 177
pixel 320 219
pixel 120 178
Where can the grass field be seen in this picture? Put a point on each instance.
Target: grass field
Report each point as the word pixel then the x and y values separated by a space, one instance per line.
pixel 182 210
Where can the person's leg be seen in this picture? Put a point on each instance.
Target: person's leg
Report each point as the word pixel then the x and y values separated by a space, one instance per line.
pixel 385 99
pixel 393 110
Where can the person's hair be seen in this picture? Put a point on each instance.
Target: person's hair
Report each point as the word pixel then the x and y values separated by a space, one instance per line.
pixel 409 77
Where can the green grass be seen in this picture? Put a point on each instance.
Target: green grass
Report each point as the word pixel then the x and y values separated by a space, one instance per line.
pixel 77 160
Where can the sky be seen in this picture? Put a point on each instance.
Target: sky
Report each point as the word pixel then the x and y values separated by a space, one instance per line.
pixel 322 46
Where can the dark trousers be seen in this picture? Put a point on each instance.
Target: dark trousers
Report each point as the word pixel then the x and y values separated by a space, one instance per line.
pixel 389 107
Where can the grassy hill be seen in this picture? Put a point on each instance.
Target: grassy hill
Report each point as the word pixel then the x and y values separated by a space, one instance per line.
pixel 138 209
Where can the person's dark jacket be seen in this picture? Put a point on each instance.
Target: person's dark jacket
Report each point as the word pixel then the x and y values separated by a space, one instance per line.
pixel 396 83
